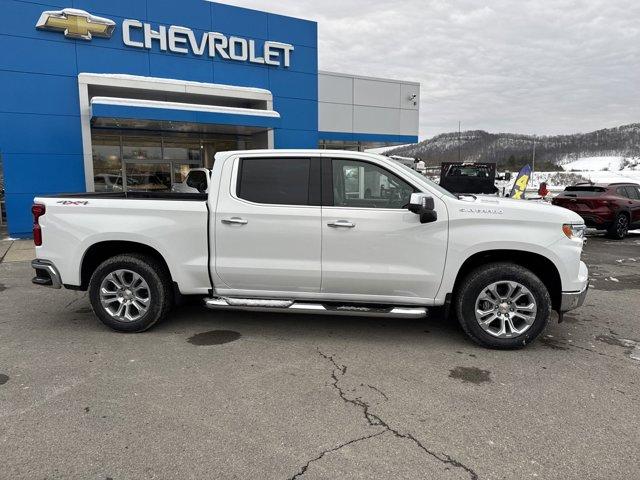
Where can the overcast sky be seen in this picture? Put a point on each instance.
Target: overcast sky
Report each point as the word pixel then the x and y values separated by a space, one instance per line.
pixel 542 67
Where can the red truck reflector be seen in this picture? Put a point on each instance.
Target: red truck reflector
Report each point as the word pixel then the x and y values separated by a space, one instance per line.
pixel 38 210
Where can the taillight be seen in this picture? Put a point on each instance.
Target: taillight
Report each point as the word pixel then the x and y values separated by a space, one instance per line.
pixel 38 210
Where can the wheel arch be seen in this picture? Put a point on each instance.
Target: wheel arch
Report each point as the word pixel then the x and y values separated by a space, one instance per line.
pixel 101 251
pixel 624 209
pixel 540 265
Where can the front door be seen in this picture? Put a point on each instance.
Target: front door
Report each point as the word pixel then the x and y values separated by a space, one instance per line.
pixel 267 226
pixel 373 248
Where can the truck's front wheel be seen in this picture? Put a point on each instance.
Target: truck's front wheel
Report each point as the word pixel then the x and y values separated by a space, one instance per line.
pixel 130 293
pixel 503 305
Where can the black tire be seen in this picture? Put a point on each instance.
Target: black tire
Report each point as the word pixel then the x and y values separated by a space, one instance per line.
pixel 620 227
pixel 160 291
pixel 484 276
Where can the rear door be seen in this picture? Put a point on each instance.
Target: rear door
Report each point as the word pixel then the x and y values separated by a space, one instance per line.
pixel 373 248
pixel 580 199
pixel 267 225
pixel 633 193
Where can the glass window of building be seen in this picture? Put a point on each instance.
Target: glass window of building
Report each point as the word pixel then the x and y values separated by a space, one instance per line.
pixel 107 163
pixel 353 145
pixel 127 159
pixel 184 152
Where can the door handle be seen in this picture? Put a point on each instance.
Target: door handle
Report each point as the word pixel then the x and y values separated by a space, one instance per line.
pixel 341 224
pixel 234 221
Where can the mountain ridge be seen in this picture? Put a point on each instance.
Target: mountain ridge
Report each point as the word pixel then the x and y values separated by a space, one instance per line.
pixel 513 148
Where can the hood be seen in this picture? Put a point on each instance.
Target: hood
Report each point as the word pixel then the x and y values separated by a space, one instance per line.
pixel 509 208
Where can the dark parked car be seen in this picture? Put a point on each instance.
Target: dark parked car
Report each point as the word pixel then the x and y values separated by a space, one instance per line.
pixel 614 207
pixel 468 177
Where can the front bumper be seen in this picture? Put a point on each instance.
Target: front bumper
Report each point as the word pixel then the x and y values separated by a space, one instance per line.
pixel 47 274
pixel 573 300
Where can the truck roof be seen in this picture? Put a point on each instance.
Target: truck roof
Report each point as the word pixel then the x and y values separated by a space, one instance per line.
pixel 295 151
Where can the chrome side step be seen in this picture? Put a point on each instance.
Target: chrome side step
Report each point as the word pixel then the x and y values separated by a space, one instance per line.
pixel 291 306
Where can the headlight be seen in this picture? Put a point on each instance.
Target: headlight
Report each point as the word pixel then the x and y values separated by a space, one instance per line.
pixel 574 231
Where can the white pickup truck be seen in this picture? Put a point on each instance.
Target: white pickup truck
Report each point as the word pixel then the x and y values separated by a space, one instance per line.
pixel 316 231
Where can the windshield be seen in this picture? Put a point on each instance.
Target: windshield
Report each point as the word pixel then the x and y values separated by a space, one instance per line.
pixel 424 179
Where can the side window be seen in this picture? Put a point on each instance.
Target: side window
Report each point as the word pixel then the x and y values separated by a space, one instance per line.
pixel 632 192
pixel 365 185
pixel 280 181
pixel 197 179
pixel 622 192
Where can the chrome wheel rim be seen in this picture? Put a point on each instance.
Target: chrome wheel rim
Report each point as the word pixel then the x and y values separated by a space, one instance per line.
pixel 623 225
pixel 505 309
pixel 125 295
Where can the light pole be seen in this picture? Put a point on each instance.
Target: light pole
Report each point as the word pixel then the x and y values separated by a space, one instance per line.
pixel 533 159
pixel 459 141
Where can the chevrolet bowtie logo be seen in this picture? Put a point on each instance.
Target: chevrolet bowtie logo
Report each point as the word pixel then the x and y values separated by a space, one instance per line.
pixel 76 24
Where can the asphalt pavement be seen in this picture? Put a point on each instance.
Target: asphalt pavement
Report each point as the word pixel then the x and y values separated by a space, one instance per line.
pixel 239 395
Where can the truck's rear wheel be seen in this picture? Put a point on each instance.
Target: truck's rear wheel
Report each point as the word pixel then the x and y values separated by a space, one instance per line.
pixel 503 305
pixel 130 293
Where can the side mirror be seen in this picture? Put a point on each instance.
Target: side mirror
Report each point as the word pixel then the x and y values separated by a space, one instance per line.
pixel 423 205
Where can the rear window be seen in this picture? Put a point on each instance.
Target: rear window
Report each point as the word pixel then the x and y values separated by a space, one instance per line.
pixel 621 191
pixel 468 171
pixel 281 181
pixel 633 192
pixel 584 191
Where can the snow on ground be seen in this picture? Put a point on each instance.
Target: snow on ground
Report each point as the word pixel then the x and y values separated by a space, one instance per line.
pixel 593 163
pixel 597 169
pixel 612 177
pixel 602 163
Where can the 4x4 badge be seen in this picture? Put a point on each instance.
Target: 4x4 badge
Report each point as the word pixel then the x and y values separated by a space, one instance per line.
pixel 73 202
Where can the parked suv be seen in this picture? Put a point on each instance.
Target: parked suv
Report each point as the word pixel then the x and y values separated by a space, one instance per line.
pixel 614 207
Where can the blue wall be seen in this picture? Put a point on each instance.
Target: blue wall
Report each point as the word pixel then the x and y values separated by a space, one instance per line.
pixel 40 136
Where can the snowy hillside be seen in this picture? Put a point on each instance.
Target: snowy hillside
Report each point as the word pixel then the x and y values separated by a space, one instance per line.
pixel 513 150
pixel 603 169
pixel 611 163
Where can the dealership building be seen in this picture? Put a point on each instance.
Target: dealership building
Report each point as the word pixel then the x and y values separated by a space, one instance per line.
pixel 130 94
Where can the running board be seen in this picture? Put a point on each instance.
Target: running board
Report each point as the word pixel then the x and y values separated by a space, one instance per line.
pixel 291 306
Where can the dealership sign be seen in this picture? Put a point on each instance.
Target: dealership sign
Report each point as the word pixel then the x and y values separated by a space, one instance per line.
pixel 76 23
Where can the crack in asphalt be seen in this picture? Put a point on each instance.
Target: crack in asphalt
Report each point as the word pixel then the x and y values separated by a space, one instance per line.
pixel 334 449
pixel 559 342
pixel 5 253
pixel 375 421
pixel 379 391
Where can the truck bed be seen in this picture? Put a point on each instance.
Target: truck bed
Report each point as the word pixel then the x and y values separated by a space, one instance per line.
pixel 175 225
pixel 195 197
